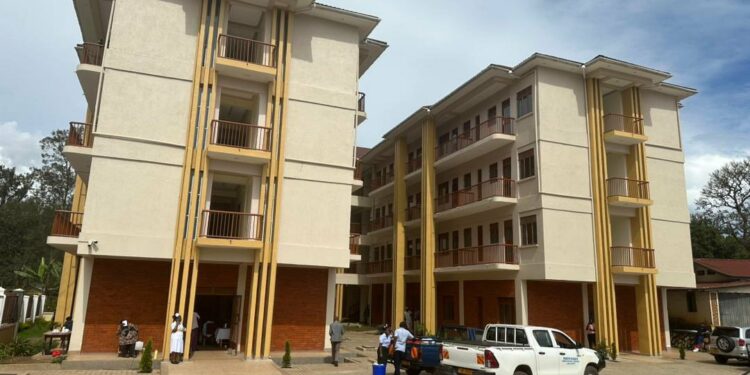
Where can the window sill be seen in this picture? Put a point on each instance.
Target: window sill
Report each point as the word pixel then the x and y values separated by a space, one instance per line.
pixel 528 246
pixel 527 179
pixel 525 116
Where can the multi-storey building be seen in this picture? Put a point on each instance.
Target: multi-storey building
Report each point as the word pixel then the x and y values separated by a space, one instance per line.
pixel 547 193
pixel 214 168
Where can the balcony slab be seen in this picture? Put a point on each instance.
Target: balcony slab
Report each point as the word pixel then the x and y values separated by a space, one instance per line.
pixel 478 268
pixel 88 77
pixel 245 70
pixel 475 207
pixel 623 201
pixel 226 243
pixel 64 243
pixel 634 270
pixel 381 190
pixel 79 158
pixel 238 154
pixel 474 150
pixel 624 138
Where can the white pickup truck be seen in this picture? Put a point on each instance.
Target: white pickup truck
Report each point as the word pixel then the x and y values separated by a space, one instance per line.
pixel 520 350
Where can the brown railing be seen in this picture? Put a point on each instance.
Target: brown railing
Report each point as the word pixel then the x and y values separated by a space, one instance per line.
pixel 469 256
pixel 80 134
pixel 247 50
pixel 412 263
pixel 378 266
pixel 413 213
pixel 361 102
pixel 414 164
pixel 632 257
pixel 381 222
pixel 380 181
pixel 627 188
pixel 358 170
pixel 67 223
pixel 90 53
pixel 497 125
pixel 354 241
pixel 237 134
pixel 496 187
pixel 613 121
pixel 231 225
pixel 355 228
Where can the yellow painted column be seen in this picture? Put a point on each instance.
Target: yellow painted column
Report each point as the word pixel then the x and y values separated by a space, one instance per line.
pixel 647 302
pixel 67 288
pixel 427 274
pixel 604 289
pixel 399 231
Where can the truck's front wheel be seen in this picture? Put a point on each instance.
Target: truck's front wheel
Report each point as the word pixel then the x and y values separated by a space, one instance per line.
pixel 590 370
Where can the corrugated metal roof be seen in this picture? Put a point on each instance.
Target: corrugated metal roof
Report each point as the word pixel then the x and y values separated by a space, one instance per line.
pixel 729 267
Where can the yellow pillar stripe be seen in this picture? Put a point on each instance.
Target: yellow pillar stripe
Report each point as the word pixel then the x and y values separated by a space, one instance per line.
pixel 427 275
pixel 399 232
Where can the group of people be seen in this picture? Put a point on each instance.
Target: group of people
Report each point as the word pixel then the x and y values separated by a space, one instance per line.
pixel 389 343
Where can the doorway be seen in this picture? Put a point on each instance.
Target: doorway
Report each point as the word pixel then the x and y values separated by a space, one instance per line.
pixel 219 321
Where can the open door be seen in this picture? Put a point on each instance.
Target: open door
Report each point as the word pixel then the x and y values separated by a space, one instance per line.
pixel 235 329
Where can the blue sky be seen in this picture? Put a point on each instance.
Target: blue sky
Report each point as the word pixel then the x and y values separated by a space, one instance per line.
pixel 435 46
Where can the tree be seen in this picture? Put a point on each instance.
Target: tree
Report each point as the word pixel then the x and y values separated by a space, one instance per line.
pixel 147 358
pixel 14 186
pixel 44 279
pixel 708 241
pixel 55 179
pixel 725 201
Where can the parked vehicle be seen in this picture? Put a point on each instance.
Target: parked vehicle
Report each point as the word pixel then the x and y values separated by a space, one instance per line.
pixel 729 342
pixel 422 354
pixel 506 349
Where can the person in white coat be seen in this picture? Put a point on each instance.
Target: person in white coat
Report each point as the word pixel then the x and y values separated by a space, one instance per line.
pixel 176 340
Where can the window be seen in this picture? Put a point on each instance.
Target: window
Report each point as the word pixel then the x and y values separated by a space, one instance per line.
pixel 692 305
pixel 467 237
pixel 494 233
pixel 418 246
pixel 523 102
pixel 442 241
pixel 409 248
pixel 492 334
pixel 501 334
pixel 389 252
pixel 454 238
pixel 526 164
pixel 505 108
pixel 563 341
pixel 520 337
pixel 493 170
pixel 448 308
pixel 528 230
pixel 543 338
pixel 467 180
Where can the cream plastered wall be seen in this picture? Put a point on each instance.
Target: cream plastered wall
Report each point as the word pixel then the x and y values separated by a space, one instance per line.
pixel 154 37
pixel 620 231
pixel 660 120
pixel 315 203
pixel 678 307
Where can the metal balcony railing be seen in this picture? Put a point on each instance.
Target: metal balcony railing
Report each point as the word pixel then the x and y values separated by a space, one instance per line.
pixel 80 135
pixel 469 256
pixel 67 223
pixel 412 263
pixel 381 222
pixel 496 187
pixel 354 242
pixel 361 102
pixel 414 164
pixel 237 134
pixel 414 213
pixel 496 125
pixel 231 225
pixel 380 181
pixel 90 53
pixel 247 50
pixel 625 187
pixel 632 257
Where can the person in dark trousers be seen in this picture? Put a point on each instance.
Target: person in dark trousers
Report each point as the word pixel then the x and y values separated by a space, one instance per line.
pixel 336 331
pixel 384 343
pixel 400 336
pixel 591 333
pixel 68 323
pixel 127 335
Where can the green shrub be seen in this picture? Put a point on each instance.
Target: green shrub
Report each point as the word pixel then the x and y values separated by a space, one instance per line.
pixel 681 348
pixel 147 358
pixel 613 351
pixel 286 361
pixel 602 349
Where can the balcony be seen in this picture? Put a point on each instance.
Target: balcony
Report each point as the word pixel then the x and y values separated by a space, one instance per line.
pixel 633 260
pixel 376 267
pixel 413 169
pixel 497 256
pixel 413 215
pixel 412 263
pixel 355 240
pixel 235 141
pixel 246 58
pixel 380 223
pixel 361 114
pixel 479 140
pixel 66 226
pixel 380 183
pixel 624 130
pixel 487 195
pixel 358 178
pixel 90 69
pixel 229 229
pixel 623 192
pixel 77 149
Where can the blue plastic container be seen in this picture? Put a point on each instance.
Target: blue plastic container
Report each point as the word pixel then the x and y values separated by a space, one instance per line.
pixel 378 369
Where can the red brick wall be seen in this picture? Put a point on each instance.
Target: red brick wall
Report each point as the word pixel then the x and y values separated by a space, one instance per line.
pixel 299 313
pixel 445 290
pixel 556 305
pixel 217 276
pixel 627 319
pixel 135 290
pixel 486 294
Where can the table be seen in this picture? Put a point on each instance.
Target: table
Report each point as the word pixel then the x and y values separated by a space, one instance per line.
pixel 50 336
pixel 222 334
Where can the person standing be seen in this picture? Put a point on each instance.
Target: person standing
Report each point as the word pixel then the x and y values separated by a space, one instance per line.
pixel 194 332
pixel 401 335
pixel 384 344
pixel 591 333
pixel 336 331
pixel 176 343
pixel 127 335
pixel 408 318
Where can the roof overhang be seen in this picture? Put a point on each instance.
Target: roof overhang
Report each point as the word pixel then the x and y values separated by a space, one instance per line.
pixel 477 89
pixel 93 16
pixel 365 23
pixel 369 51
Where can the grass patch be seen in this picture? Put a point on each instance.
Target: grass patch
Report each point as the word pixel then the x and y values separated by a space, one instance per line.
pixel 34 331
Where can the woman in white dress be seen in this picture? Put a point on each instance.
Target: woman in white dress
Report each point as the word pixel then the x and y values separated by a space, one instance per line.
pixel 176 341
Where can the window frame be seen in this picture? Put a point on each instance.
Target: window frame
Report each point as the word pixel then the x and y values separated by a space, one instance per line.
pixel 529 230
pixel 526 164
pixel 525 101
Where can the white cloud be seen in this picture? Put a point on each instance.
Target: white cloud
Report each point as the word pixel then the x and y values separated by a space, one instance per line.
pixel 18 148
pixel 698 170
